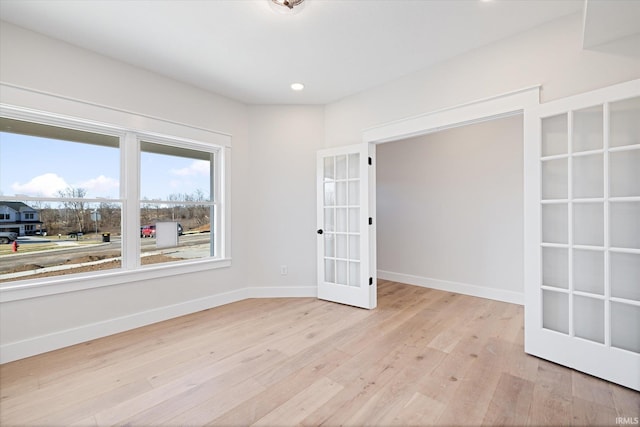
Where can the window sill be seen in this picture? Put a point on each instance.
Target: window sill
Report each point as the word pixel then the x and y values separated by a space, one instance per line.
pixel 35 288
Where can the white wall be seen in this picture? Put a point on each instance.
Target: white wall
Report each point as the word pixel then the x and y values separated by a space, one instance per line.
pixel 550 55
pixel 284 141
pixel 450 208
pixel 40 63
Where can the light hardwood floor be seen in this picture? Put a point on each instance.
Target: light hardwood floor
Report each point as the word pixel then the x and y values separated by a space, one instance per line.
pixel 423 357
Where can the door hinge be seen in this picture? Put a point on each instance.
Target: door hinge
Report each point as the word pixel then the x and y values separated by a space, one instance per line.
pixel 370 161
pixel 370 221
pixel 370 281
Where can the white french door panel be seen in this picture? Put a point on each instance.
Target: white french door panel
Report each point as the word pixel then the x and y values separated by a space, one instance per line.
pixel 346 233
pixel 582 233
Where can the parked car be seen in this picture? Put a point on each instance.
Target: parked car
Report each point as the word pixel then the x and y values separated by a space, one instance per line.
pixel 8 236
pixel 148 231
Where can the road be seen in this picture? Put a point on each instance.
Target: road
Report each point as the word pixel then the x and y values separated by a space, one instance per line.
pixel 64 253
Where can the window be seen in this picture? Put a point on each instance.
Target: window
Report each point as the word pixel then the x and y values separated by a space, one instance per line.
pixel 178 204
pixel 73 195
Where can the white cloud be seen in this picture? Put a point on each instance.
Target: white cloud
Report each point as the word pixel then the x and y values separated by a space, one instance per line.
pixel 101 186
pixel 46 185
pixel 49 184
pixel 197 167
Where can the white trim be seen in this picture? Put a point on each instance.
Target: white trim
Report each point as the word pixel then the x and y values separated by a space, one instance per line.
pixel 35 288
pixel 41 344
pixel 35 100
pixel 460 288
pixel 613 93
pixel 491 108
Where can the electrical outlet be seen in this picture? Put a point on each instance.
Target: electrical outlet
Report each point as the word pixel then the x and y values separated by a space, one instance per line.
pixel 284 270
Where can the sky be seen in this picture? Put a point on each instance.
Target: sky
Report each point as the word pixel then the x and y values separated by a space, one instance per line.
pixel 36 166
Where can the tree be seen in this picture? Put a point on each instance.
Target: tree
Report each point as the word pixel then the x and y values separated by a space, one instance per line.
pixel 77 208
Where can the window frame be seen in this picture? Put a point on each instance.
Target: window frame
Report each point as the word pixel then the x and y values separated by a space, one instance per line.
pixel 149 129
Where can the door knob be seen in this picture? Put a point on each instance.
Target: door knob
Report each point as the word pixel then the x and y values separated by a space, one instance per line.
pixel 320 231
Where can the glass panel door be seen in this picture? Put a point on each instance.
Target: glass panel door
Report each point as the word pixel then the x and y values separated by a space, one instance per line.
pixel 585 302
pixel 344 233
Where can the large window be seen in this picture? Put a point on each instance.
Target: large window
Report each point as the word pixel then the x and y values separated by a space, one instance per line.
pixel 86 199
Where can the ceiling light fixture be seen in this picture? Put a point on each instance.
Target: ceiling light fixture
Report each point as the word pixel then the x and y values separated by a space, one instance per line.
pixel 297 86
pixel 288 3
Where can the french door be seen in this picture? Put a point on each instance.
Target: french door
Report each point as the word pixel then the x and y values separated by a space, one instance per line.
pixel 582 269
pixel 345 225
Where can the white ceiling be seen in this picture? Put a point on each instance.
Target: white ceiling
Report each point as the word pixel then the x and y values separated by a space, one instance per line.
pixel 244 50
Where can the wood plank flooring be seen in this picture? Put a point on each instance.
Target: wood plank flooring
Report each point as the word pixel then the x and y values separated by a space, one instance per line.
pixel 423 357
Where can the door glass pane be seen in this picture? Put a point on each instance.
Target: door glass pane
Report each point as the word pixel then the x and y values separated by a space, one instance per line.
pixel 330 270
pixel 354 220
pixel 588 178
pixel 588 318
pixel 329 245
pixel 354 193
pixel 625 276
pixel 555 267
pixel 354 274
pixel 625 224
pixel 588 271
pixel 354 247
pixel 342 246
pixel 354 165
pixel 554 223
pixel 554 179
pixel 341 193
pixel 329 219
pixel 554 135
pixel 555 311
pixel 624 122
pixel 342 273
pixel 624 171
pixel 329 169
pixel 341 167
pixel 329 194
pixel 588 224
pixel 625 319
pixel 587 129
pixel 341 220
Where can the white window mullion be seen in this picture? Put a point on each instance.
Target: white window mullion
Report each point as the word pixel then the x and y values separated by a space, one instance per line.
pixel 130 188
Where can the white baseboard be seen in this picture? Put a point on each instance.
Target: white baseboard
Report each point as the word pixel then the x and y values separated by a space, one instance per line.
pixel 283 292
pixel 460 288
pixel 44 343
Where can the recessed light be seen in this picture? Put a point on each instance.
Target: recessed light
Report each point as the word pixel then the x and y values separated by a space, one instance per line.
pixel 297 86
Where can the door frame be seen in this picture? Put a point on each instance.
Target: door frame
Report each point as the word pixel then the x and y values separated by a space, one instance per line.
pixel 516 102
